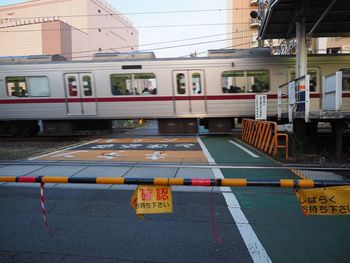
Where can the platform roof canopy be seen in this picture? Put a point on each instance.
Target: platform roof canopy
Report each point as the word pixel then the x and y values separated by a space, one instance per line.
pixel 331 17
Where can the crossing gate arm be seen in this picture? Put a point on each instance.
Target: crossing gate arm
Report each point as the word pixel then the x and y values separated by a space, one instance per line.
pixel 285 183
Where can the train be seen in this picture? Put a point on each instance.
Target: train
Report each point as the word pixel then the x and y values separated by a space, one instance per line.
pixel 50 94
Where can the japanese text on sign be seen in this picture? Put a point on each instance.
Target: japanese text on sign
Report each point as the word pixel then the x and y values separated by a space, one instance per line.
pixel 151 199
pixel 260 107
pixel 325 201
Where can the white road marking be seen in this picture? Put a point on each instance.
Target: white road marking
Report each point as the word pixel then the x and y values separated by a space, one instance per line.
pixel 66 149
pixel 69 154
pixel 185 145
pixel 156 156
pixel 255 248
pixel 244 149
pixel 109 156
pixel 103 146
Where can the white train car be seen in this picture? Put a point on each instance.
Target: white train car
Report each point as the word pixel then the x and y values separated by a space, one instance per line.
pixel 178 92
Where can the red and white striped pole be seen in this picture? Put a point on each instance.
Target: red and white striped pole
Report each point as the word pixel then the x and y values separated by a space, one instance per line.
pixel 42 201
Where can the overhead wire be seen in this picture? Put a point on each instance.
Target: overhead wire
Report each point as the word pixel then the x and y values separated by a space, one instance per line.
pixel 179 46
pixel 156 43
pixel 134 13
pixel 3 29
pixel 150 26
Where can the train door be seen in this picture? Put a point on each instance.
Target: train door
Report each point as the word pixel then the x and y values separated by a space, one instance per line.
pixel 189 92
pixel 81 100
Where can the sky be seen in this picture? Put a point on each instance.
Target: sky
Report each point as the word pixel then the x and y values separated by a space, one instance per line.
pixel 171 34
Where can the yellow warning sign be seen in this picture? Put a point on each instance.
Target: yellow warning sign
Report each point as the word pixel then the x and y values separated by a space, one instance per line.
pixel 152 199
pixel 325 201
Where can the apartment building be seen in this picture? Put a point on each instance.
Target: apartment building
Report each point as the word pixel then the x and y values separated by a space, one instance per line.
pixel 242 28
pixel 75 29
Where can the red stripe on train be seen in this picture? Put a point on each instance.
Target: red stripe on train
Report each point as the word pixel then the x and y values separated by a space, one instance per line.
pixel 146 98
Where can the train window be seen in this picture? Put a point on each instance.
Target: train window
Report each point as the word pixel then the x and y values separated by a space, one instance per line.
pixel 196 83
pixel 87 87
pixel 27 86
pixel 233 81
pixel 258 81
pixel 134 84
pixel 245 81
pixel 181 83
pixel 313 78
pixel 72 86
pixel 346 79
pixel 16 87
pixel 38 86
pixel 145 84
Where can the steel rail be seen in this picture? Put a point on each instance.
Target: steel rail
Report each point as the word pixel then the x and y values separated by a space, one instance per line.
pixel 339 167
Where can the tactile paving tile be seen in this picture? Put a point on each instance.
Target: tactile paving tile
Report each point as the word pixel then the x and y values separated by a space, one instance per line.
pixel 18 170
pixel 317 175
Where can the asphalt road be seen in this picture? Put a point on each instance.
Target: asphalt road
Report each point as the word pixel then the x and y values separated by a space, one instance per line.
pixel 100 226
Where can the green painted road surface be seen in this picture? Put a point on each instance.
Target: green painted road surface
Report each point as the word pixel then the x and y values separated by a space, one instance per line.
pixel 274 214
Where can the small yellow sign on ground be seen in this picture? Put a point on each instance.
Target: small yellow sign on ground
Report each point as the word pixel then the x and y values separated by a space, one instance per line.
pixel 152 199
pixel 325 201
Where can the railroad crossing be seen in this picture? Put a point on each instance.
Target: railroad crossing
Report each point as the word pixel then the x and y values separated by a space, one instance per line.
pixel 208 224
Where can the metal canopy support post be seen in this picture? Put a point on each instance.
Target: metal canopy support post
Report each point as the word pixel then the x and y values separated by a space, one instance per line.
pixel 301 49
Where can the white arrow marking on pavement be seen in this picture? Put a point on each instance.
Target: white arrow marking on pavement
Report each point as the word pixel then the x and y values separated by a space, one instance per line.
pixel 156 156
pixel 157 146
pixel 169 140
pixel 110 155
pixel 102 146
pixel 69 154
pixel 130 146
pixel 185 145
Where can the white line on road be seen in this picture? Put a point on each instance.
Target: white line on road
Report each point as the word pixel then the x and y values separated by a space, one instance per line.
pixel 59 151
pixel 244 149
pixel 255 248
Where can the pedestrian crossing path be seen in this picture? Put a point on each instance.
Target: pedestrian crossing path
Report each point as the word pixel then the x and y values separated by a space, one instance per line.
pixel 156 149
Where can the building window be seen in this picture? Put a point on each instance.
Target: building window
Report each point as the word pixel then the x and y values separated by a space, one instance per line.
pixel 27 86
pixel 250 81
pixel 133 84
pixel 99 10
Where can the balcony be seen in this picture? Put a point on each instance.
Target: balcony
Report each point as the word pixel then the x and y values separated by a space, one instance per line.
pixel 253 40
pixel 254 22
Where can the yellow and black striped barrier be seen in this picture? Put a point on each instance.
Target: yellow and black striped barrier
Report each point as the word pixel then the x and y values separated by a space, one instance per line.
pixel 287 183
pixel 264 136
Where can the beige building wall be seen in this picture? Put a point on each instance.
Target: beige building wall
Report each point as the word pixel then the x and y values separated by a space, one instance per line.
pixel 242 28
pixel 57 38
pixel 91 31
pixel 22 40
